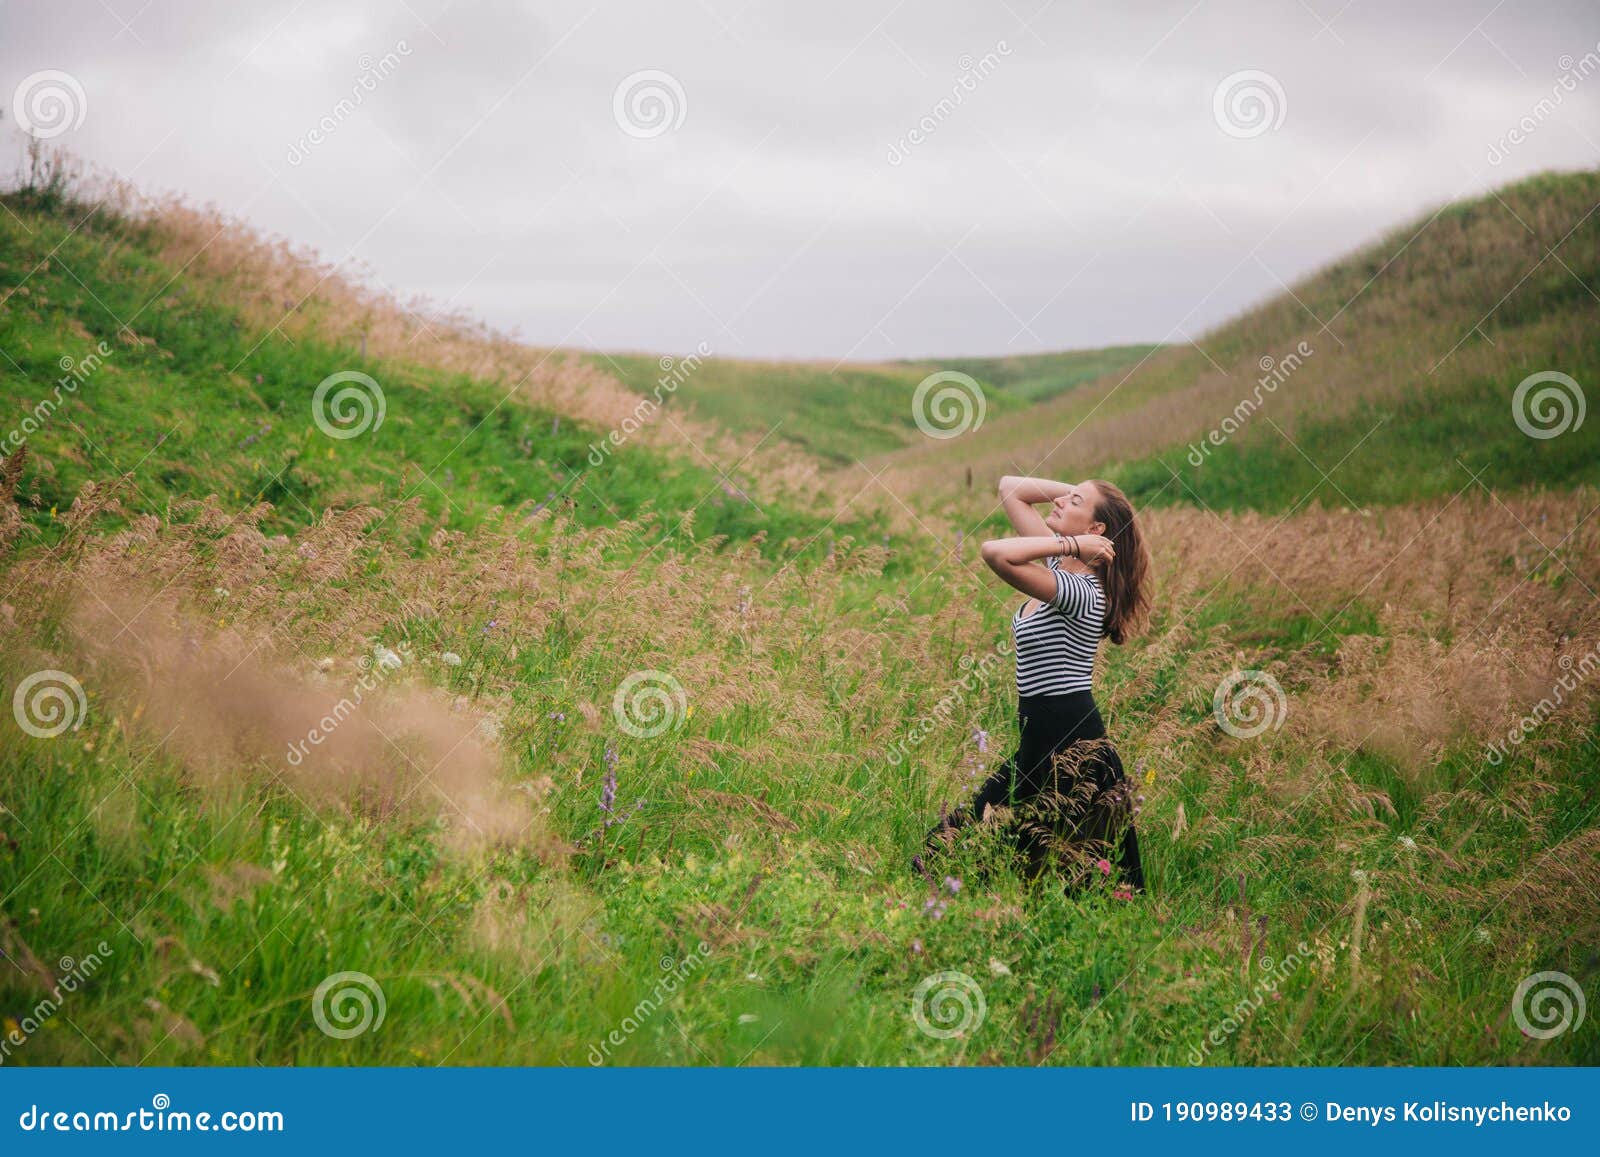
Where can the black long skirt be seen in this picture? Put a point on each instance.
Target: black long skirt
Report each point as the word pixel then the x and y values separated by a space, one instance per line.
pixel 1065 785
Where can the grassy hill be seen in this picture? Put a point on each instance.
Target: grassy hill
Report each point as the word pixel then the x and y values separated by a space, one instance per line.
pixel 120 360
pixel 1416 345
pixel 855 410
pixel 547 785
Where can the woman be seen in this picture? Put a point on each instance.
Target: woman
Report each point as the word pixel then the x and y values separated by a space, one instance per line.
pixel 1065 780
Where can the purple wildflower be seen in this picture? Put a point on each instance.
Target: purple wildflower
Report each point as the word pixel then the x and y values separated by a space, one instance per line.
pixel 981 738
pixel 953 884
pixel 608 790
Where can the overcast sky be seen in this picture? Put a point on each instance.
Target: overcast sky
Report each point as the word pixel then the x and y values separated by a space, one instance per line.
pixel 1085 184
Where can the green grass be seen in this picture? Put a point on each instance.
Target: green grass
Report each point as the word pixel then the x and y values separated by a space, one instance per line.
pixel 1038 377
pixel 1429 445
pixel 1407 354
pixel 770 823
pixel 856 410
pixel 203 404
pixel 816 937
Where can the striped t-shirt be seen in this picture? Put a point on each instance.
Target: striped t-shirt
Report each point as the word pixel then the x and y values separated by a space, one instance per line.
pixel 1056 644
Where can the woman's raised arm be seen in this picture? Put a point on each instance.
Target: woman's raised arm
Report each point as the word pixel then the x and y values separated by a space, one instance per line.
pixel 1017 496
pixel 1033 489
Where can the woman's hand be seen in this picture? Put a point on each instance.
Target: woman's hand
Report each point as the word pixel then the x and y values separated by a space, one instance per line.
pixel 1094 548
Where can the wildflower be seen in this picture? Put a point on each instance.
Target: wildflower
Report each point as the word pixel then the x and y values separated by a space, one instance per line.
pixel 916 945
pixel 1408 843
pixel 559 716
pixel 953 884
pixel 933 907
pixel 387 659
pixel 608 789
pixel 450 659
pixel 1123 893
pixel 1104 866
pixel 981 738
pixel 490 625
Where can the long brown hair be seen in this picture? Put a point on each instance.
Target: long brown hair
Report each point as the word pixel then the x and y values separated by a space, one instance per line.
pixel 1127 579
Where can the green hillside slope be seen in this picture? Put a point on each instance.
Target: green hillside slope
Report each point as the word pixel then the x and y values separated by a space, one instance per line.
pixel 1386 376
pixel 118 361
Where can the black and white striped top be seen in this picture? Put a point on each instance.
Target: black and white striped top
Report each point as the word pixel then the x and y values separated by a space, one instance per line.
pixel 1056 644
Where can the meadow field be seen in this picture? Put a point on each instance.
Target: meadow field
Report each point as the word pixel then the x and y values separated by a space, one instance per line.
pixel 385 691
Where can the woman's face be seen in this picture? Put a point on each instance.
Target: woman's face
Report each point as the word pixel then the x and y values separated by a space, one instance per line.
pixel 1073 512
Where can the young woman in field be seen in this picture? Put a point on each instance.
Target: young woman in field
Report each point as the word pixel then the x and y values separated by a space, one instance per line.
pixel 1065 783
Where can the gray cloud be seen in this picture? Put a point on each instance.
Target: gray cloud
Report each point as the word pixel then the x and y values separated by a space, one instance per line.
pixel 1079 193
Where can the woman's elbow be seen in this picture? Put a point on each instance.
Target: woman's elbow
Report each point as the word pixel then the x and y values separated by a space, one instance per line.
pixel 991 553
